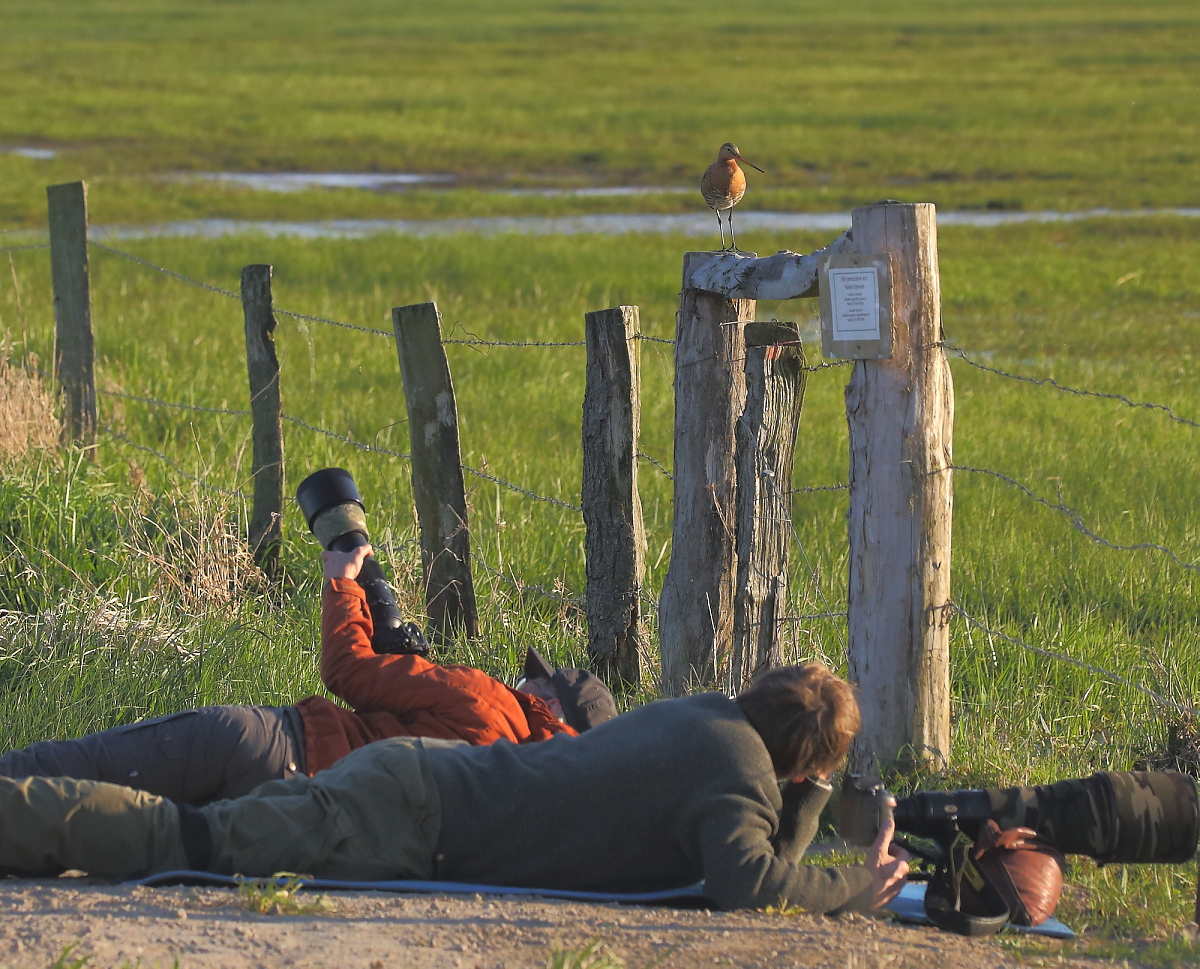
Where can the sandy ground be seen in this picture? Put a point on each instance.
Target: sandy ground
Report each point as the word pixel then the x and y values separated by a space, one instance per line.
pixel 124 926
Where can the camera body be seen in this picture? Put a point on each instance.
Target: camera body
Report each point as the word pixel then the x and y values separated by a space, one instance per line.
pixel 334 512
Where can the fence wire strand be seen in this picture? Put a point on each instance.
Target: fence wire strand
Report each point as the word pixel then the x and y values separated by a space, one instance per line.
pixel 161 269
pixel 1076 391
pixel 374 448
pixel 521 586
pixel 1076 519
pixel 121 436
pixel 524 491
pixel 166 403
pixel 956 609
pixel 646 457
pixel 40 245
pixel 514 343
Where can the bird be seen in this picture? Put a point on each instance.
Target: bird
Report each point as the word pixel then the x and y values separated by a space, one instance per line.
pixel 723 184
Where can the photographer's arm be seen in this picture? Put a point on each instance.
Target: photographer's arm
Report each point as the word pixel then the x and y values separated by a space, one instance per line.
pixel 803 801
pixel 433 700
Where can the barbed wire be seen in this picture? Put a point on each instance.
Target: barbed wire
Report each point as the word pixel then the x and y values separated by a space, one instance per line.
pixel 520 490
pixel 232 295
pixel 814 574
pixel 121 436
pixel 813 489
pixel 515 343
pixel 646 457
pixel 522 586
pixel 344 439
pixel 162 269
pixel 955 608
pixel 321 319
pixel 1078 392
pixel 1075 518
pixel 828 366
pixel 653 339
pixel 844 614
pixel 177 406
pixel 40 245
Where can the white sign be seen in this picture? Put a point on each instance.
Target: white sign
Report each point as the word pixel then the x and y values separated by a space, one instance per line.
pixel 856 305
pixel 855 299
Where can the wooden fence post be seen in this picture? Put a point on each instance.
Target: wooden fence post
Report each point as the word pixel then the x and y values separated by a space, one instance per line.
pixel 612 510
pixel 766 444
pixel 901 415
pixel 437 478
pixel 695 612
pixel 74 347
pixel 266 406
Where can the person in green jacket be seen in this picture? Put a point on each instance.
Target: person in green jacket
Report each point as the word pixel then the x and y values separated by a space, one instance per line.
pixel 705 787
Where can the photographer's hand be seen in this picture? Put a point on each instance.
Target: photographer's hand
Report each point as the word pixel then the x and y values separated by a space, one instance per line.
pixel 345 565
pixel 887 864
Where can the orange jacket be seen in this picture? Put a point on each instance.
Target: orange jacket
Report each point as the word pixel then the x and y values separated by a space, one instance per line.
pixel 403 696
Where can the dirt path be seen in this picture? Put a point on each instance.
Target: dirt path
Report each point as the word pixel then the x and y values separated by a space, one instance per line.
pixel 118 925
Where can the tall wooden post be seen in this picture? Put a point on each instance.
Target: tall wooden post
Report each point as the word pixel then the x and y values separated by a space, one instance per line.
pixel 901 414
pixel 766 444
pixel 615 539
pixel 437 478
pixel 74 347
pixel 266 407
pixel 695 611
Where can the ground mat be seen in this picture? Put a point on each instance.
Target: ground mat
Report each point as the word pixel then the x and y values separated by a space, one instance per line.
pixel 908 906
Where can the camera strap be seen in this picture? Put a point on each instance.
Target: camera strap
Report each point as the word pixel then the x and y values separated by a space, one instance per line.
pixel 960 898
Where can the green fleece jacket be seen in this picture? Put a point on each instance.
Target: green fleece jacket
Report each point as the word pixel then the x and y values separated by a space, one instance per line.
pixel 664 796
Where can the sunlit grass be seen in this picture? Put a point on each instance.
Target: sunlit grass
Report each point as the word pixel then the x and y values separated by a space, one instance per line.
pixel 1008 103
pixel 129 599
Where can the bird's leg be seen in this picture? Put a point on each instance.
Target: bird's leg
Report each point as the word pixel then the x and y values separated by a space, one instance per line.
pixel 732 238
pixel 720 228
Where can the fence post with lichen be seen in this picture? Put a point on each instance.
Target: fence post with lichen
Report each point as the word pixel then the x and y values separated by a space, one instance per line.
pixel 437 477
pixel 74 346
pixel 266 407
pixel 614 541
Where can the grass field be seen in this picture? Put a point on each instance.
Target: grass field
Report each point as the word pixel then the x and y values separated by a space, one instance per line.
pixel 1104 304
pixel 125 589
pixel 1010 103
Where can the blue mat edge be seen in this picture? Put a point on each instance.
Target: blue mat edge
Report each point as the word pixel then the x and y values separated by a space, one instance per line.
pixel 908 906
pixel 686 893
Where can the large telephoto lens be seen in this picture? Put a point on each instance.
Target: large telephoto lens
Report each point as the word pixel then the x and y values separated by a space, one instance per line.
pixel 333 510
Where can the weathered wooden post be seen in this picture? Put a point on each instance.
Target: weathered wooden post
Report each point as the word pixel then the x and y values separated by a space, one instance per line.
pixel 766 444
pixel 437 479
pixel 901 415
pixel 266 408
pixel 74 347
pixel 695 611
pixel 615 540
pixel 719 290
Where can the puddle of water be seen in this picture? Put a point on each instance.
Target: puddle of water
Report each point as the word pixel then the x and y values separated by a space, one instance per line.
pixel 689 225
pixel 503 225
pixel 376 182
pixel 611 191
pixel 41 154
pixel 300 181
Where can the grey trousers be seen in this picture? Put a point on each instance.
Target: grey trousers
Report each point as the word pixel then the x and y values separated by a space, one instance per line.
pixel 373 815
pixel 192 757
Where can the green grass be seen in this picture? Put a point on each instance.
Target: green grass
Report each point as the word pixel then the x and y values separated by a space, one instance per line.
pixel 126 589
pixel 1010 103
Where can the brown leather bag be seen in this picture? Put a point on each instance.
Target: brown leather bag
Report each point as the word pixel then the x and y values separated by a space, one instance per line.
pixel 1026 871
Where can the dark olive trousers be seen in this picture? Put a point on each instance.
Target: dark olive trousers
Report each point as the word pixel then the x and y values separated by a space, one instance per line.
pixel 373 815
pixel 192 757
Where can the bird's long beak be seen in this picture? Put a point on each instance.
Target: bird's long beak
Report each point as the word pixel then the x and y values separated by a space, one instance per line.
pixel 751 164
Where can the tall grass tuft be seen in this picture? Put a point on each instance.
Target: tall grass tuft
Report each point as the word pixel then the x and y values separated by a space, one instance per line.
pixel 27 417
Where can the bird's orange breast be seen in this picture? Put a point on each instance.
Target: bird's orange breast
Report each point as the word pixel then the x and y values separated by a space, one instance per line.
pixel 723 184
